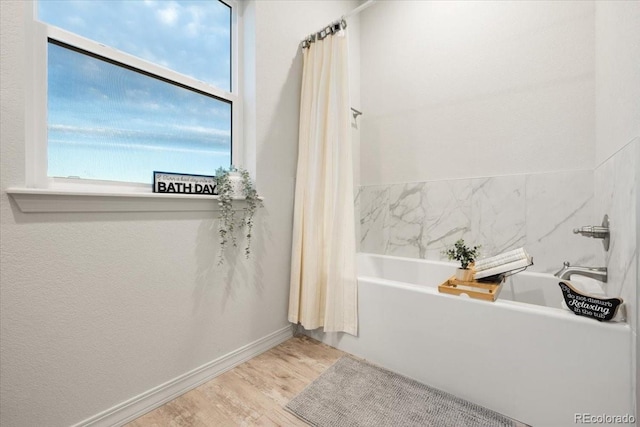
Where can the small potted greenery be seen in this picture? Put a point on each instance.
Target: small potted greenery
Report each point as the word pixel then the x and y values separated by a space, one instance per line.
pixel 466 256
pixel 235 184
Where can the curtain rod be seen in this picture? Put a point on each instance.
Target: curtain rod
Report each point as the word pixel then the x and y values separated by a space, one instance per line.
pixel 335 26
pixel 330 29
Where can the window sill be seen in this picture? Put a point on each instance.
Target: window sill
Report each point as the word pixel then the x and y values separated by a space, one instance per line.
pixel 38 200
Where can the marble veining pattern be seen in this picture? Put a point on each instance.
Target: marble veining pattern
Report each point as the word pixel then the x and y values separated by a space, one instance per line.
pixel 374 210
pixel 615 193
pixel 406 221
pixel 556 204
pixel 448 214
pixel 356 219
pixel 536 211
pixel 498 213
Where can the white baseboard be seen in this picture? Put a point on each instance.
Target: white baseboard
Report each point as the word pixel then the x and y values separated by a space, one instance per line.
pixel 137 406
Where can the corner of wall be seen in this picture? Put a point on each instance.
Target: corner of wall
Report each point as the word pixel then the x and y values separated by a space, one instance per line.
pixel 636 356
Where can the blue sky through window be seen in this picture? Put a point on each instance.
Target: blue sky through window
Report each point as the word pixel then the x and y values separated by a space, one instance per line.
pixel 111 123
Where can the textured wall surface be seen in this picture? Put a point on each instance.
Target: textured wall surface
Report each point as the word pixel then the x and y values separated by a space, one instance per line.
pixel 99 308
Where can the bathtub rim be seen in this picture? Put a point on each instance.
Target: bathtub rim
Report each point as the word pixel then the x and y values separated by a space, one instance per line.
pixel 558 313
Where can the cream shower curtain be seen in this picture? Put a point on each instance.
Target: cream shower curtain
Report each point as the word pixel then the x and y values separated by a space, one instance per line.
pixel 323 268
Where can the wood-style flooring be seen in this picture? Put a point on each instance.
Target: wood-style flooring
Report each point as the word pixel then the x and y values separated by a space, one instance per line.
pixel 251 394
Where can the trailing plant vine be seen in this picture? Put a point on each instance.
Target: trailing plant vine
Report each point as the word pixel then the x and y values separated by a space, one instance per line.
pixel 227 214
pixel 229 224
pixel 253 202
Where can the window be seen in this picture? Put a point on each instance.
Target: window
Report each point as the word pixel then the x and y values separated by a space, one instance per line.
pixel 131 87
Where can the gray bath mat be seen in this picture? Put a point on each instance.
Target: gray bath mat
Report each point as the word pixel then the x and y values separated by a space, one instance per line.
pixel 356 393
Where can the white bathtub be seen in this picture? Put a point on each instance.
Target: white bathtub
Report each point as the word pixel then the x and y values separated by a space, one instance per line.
pixel 526 357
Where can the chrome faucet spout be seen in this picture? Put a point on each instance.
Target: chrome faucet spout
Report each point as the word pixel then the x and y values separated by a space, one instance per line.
pixel 598 273
pixel 560 272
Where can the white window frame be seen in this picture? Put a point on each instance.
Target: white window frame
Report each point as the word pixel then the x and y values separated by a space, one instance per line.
pixel 37 180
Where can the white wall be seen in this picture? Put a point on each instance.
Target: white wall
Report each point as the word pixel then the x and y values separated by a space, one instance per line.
pixel 617 76
pixel 617 173
pixel 468 89
pixel 99 308
pixel 637 301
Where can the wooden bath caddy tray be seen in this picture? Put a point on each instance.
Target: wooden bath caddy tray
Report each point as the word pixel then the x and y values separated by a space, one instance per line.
pixel 487 291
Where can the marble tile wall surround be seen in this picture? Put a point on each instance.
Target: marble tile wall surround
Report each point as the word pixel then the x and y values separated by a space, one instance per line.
pixel 536 211
pixel 615 195
pixel 374 210
pixel 448 214
pixel 498 213
pixel 356 215
pixel 556 204
pixel 406 225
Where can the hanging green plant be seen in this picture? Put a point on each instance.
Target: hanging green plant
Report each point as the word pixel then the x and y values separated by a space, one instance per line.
pixel 235 184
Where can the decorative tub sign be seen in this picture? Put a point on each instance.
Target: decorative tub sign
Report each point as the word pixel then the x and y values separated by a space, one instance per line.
pixel 587 305
pixel 169 182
